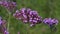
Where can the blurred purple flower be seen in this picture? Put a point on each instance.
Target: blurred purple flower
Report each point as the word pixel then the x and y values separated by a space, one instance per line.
pixel 6 32
pixel 50 21
pixel 2 25
pixel 27 15
pixel 4 3
pixel 11 5
pixel 17 15
pixel 8 5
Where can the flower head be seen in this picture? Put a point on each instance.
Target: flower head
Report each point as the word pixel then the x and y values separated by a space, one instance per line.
pixel 8 5
pixel 11 5
pixel 50 21
pixel 27 15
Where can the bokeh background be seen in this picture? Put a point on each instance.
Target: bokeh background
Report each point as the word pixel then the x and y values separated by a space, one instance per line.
pixel 45 8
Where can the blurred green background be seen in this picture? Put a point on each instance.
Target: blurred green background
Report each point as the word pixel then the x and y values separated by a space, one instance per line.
pixel 45 8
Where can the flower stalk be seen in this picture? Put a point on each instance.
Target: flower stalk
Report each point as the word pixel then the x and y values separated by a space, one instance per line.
pixel 8 20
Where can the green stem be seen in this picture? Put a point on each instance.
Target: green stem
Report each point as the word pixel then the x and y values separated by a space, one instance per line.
pixel 9 16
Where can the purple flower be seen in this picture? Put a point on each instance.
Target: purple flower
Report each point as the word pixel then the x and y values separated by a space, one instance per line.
pixel 6 32
pixel 50 21
pixel 23 10
pixel 2 25
pixel 27 15
pixel 4 3
pixel 17 15
pixel 8 5
pixel 11 5
pixel 33 13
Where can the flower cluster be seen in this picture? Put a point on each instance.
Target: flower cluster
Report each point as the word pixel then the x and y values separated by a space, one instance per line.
pixel 28 16
pixel 3 26
pixel 8 5
pixel 50 21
